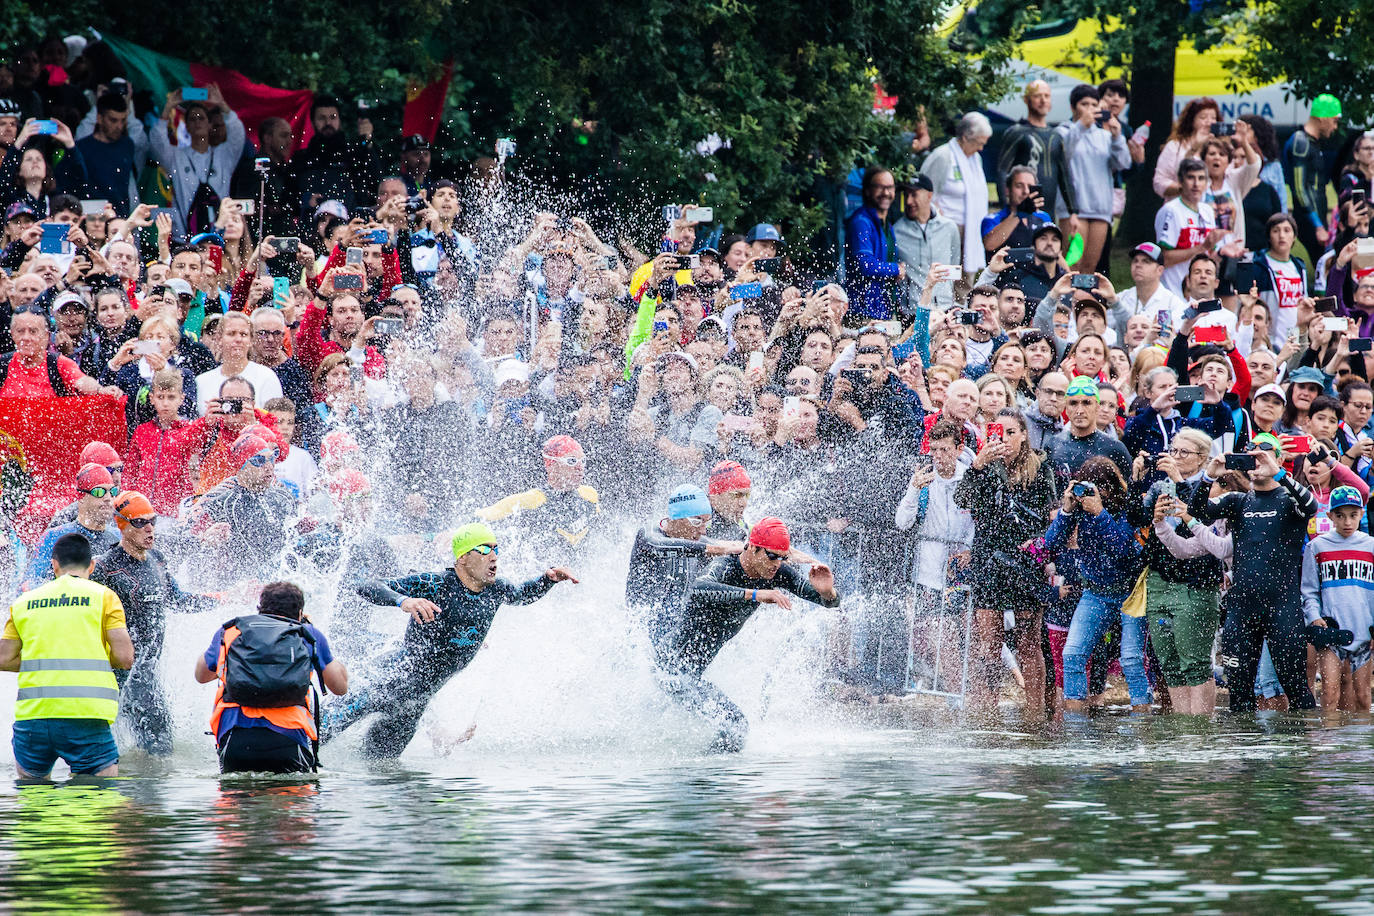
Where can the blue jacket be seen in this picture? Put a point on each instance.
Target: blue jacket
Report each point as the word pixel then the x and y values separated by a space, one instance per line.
pixel 1107 550
pixel 871 266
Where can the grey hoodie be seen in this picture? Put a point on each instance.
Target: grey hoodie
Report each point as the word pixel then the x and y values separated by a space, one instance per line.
pixel 1338 581
pixel 1040 428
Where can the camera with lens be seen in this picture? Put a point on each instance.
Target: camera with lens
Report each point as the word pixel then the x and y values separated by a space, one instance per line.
pixel 415 204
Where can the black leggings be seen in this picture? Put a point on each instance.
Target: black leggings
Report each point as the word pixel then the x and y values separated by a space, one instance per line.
pixel 401 697
pixel 143 704
pixel 1307 234
pixel 262 750
pixel 707 700
pixel 1248 623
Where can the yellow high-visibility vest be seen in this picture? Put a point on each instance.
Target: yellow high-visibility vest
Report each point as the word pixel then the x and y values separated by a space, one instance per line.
pixel 64 672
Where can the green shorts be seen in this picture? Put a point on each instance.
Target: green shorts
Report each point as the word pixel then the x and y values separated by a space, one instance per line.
pixel 1183 626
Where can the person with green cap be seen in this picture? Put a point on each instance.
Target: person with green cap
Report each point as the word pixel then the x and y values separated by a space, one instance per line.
pixel 450 614
pixel 1305 170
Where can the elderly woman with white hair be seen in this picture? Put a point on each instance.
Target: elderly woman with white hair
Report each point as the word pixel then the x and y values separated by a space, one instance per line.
pixel 961 187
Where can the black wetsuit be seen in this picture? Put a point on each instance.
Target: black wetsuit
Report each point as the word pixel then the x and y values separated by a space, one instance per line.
pixel 718 606
pixel 662 569
pixel 1265 599
pixel 401 683
pixel 722 529
pixel 147 591
pixel 360 559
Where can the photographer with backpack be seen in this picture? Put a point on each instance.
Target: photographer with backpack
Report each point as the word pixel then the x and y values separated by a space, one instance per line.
pixel 265 717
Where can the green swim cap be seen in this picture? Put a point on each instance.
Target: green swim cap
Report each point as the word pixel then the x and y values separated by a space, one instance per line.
pixel 470 536
pixel 1326 105
pixel 1268 439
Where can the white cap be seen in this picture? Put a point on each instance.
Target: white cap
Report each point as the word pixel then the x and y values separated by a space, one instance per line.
pixel 69 298
pixel 180 287
pixel 511 370
pixel 1273 389
pixel 333 208
pixel 682 355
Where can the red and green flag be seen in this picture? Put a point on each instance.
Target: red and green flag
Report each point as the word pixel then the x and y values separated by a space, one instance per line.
pixel 252 102
pixel 425 104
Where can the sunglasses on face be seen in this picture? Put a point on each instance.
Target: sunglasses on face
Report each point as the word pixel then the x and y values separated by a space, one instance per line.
pixel 1260 447
pixel 101 492
pixel 485 549
pixel 140 523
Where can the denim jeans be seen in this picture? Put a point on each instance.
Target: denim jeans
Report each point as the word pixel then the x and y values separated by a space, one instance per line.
pixel 1091 619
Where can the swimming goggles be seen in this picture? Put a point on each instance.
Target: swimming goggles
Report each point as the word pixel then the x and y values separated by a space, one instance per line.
pixel 101 492
pixel 1082 387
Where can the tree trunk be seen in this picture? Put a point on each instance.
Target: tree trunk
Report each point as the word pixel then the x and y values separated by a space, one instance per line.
pixel 1152 99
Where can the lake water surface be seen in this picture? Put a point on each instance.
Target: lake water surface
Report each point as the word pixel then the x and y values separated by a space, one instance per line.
pixel 1139 815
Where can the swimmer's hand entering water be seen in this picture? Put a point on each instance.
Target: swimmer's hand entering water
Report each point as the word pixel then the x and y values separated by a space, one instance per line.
pixel 420 610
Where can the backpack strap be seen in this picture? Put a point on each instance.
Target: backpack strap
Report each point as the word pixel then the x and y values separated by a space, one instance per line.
pixel 5 368
pixel 59 386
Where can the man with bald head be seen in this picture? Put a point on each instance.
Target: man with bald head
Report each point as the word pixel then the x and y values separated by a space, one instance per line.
pixel 268 349
pixel 1044 419
pixel 1034 143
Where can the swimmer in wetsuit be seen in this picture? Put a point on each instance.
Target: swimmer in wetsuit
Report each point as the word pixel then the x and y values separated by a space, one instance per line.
pixel 720 602
pixel 138 573
pixel 556 519
pixel 451 613
pixel 665 561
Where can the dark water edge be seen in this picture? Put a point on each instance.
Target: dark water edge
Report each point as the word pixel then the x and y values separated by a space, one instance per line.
pixel 1115 815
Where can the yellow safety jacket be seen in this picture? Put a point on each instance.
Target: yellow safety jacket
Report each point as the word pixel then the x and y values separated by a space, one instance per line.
pixel 64 672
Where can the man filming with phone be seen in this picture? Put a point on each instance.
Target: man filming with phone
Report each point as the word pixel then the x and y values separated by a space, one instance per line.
pixel 114 147
pixel 1034 269
pixel 1014 225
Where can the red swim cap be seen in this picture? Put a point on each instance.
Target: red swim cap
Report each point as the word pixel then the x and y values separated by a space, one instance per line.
pixel 727 476
pixel 770 534
pixel 245 447
pixel 101 453
pixel 93 475
pixel 347 484
pixel 561 446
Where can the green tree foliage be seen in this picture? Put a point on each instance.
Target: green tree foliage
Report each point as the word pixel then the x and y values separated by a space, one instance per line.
pixel 789 84
pixel 1316 47
pixel 1138 38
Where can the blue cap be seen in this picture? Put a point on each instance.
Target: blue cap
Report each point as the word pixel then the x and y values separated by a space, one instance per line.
pixel 208 237
pixel 688 501
pixel 1345 496
pixel 1307 375
pixel 764 232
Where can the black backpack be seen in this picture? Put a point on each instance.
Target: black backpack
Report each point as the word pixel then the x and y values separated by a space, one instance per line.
pixel 269 664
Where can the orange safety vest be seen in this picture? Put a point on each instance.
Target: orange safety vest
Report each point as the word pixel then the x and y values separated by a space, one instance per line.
pixel 283 716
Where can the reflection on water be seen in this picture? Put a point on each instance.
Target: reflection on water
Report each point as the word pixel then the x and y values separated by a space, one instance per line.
pixel 1114 815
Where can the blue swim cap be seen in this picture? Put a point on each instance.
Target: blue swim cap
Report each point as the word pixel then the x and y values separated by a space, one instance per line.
pixel 688 501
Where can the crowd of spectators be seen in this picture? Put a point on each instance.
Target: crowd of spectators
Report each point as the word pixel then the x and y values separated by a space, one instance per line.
pixel 972 416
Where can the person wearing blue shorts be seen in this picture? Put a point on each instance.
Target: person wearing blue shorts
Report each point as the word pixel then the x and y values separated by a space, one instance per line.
pixel 65 639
